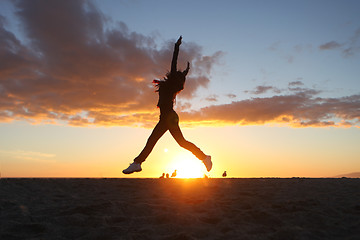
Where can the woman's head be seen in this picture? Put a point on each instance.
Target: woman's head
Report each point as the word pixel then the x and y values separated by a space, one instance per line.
pixel 174 81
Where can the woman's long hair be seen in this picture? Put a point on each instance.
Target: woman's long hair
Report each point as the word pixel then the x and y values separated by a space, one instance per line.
pixel 172 83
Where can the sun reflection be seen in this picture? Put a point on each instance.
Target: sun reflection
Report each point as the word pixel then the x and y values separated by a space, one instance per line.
pixel 187 167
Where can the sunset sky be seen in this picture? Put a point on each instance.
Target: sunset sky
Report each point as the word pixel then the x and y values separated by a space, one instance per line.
pixel 273 89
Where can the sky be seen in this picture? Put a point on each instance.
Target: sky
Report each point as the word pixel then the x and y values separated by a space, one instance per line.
pixel 273 88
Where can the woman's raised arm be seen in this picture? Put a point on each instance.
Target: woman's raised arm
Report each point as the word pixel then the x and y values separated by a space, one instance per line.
pixel 175 55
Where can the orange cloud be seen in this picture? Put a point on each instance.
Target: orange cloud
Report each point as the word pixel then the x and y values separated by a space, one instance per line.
pixel 300 108
pixel 76 69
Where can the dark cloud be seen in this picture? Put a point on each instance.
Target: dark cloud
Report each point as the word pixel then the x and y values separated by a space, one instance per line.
pixel 300 109
pixel 330 45
pixel 353 45
pixel 298 87
pixel 231 95
pixel 75 68
pixel 264 89
pixel 16 60
pixel 296 83
pixel 349 48
pixel 303 90
pixel 212 98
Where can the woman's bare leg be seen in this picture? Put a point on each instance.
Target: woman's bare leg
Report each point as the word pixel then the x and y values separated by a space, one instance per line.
pixel 156 134
pixel 178 136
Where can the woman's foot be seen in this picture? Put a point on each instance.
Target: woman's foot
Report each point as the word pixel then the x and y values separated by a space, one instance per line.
pixel 207 162
pixel 134 167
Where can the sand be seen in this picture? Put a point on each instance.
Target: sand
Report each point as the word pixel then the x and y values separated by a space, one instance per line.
pixel 177 209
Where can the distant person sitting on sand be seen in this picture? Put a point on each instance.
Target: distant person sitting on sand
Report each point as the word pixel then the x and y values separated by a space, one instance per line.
pixel 224 174
pixel 168 88
pixel 173 174
pixel 162 176
pixel 167 175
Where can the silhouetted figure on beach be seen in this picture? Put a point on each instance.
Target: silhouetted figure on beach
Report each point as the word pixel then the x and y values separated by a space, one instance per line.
pixel 167 175
pixel 173 174
pixel 162 176
pixel 168 88
pixel 224 174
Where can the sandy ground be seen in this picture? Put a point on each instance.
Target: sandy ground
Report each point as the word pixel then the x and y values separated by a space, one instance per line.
pixel 180 209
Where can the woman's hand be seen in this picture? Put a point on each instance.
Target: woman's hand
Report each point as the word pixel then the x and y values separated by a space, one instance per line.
pixel 179 41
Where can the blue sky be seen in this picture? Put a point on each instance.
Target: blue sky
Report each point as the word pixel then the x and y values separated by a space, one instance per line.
pixel 271 42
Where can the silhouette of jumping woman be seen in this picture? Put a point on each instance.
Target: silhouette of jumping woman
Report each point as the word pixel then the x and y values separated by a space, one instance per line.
pixel 168 88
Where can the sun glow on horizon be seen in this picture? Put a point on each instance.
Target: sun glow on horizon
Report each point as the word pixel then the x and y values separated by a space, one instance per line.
pixel 187 167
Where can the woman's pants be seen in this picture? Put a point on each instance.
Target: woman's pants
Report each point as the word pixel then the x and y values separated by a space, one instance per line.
pixel 168 121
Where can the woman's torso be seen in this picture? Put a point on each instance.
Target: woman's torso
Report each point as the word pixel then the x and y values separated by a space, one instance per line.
pixel 166 101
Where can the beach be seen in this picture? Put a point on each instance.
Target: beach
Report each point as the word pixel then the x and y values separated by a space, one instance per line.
pixel 254 208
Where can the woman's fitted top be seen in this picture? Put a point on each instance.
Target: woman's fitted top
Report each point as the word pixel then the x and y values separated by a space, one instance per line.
pixel 166 101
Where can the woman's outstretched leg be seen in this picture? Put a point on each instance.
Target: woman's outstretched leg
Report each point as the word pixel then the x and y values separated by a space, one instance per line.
pixel 156 134
pixel 172 121
pixel 158 131
pixel 178 136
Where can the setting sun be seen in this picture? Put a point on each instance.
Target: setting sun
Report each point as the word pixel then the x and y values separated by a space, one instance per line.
pixel 187 166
